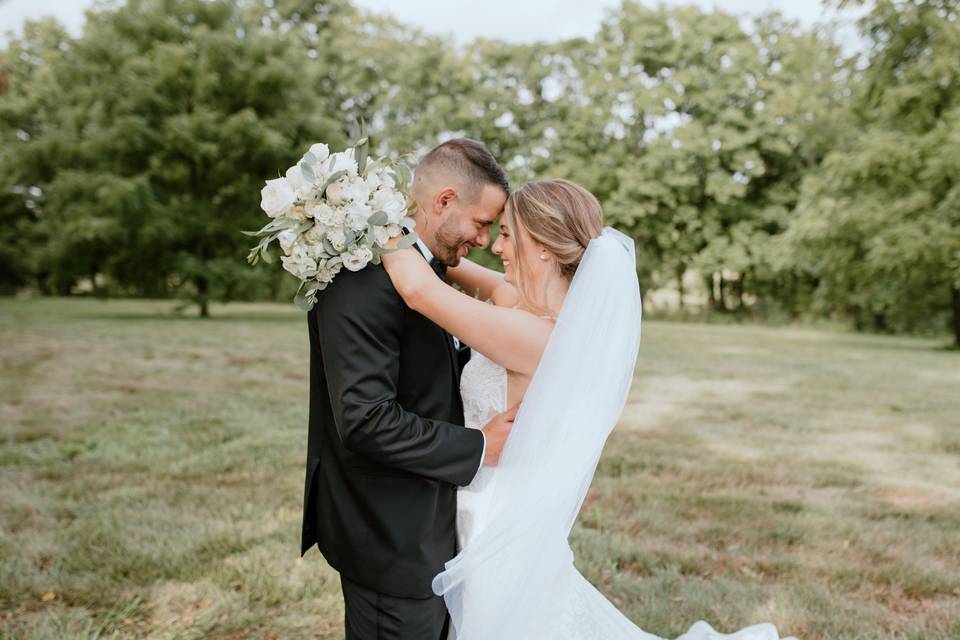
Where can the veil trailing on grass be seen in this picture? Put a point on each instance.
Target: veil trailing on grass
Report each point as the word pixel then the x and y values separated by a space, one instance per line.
pixel 515 578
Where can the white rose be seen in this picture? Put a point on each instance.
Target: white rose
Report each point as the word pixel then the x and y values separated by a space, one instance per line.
pixel 299 183
pixel 276 197
pixel 391 202
pixel 357 258
pixel 300 263
pixel 343 161
pixel 287 239
pixel 321 212
pixel 339 192
pixel 383 234
pixel 359 190
pixel 326 274
pixel 320 152
pixel 357 215
pixel 337 237
pixel 297 212
pixel 314 235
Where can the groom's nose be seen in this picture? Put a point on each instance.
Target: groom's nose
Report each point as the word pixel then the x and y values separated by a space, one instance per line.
pixel 483 238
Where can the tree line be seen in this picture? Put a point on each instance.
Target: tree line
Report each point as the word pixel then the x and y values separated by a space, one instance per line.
pixel 788 178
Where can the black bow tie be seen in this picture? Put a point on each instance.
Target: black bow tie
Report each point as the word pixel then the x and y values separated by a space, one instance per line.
pixel 438 268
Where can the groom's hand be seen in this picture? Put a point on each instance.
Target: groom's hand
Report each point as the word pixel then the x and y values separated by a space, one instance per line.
pixel 496 432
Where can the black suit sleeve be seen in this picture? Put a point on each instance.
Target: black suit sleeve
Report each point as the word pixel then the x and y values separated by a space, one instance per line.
pixel 360 324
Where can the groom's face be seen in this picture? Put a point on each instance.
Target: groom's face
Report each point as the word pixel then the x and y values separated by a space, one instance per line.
pixel 466 224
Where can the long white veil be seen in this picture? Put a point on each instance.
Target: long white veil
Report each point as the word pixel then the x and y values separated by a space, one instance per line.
pixel 504 582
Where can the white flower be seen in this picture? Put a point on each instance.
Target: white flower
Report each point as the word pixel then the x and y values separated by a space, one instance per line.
pixel 373 180
pixel 297 212
pixel 287 239
pixel 357 215
pixel 359 189
pixel 320 152
pixel 327 273
pixel 390 201
pixel 337 237
pixel 386 178
pixel 383 234
pixel 343 161
pixel 276 197
pixel 314 235
pixel 299 183
pixel 300 263
pixel 357 258
pixel 339 192
pixel 326 215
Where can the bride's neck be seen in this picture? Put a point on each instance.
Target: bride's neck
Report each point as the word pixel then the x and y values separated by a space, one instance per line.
pixel 554 292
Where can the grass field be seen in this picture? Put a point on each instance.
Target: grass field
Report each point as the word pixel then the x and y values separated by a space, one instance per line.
pixel 151 474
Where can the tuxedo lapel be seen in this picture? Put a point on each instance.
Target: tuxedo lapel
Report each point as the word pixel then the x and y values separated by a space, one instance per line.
pixel 451 348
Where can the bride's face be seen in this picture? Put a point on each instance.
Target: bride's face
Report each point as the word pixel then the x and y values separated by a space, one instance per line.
pixel 504 248
pixel 508 245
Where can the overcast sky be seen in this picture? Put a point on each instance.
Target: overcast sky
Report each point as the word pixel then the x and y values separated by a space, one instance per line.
pixel 523 21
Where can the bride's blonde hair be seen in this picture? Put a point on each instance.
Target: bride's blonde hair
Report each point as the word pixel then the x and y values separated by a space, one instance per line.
pixel 558 214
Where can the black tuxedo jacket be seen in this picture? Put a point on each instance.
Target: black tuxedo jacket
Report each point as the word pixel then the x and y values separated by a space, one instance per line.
pixel 386 448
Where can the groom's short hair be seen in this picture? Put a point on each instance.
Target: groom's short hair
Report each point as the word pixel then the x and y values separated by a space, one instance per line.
pixel 469 159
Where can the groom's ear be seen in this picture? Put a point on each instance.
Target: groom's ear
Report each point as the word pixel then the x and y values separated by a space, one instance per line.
pixel 444 199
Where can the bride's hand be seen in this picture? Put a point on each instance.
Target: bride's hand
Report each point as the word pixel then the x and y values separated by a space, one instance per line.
pixel 392 243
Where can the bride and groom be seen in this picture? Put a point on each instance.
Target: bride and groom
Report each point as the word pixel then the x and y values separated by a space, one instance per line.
pixel 453 434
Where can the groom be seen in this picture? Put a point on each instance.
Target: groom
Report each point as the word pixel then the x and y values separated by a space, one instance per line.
pixel 386 449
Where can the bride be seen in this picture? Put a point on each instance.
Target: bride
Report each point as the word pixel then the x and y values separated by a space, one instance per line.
pixel 562 336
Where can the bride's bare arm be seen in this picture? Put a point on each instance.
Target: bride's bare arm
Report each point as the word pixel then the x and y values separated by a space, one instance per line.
pixel 476 280
pixel 513 338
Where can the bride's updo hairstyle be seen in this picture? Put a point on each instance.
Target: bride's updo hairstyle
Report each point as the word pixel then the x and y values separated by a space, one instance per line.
pixel 561 216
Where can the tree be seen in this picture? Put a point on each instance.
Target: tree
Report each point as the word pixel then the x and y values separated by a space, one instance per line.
pixel 153 133
pixel 879 226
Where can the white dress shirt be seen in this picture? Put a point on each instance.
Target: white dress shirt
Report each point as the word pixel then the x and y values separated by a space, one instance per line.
pixel 456 341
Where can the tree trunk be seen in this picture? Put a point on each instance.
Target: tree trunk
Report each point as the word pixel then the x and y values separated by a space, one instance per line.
pixel 956 316
pixel 740 287
pixel 202 299
pixel 711 294
pixel 679 272
pixel 723 294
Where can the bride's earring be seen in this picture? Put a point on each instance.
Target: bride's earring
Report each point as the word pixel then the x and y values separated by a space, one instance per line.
pixel 543 257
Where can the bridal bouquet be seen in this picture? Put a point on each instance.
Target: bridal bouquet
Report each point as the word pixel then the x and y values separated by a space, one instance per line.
pixel 333 211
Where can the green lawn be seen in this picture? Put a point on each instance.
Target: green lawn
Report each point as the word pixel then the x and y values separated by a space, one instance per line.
pixel 151 473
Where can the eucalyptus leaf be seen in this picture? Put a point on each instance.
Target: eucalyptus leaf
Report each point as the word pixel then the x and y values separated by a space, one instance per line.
pixel 333 178
pixel 378 219
pixel 304 226
pixel 329 248
pixel 307 171
pixel 407 241
pixel 309 158
pixel 363 152
pixel 302 302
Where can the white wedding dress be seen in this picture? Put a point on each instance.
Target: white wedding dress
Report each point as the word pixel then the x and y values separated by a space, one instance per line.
pixel 514 576
pixel 583 612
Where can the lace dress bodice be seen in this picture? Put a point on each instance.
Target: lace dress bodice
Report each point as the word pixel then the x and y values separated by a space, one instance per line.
pixel 483 389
